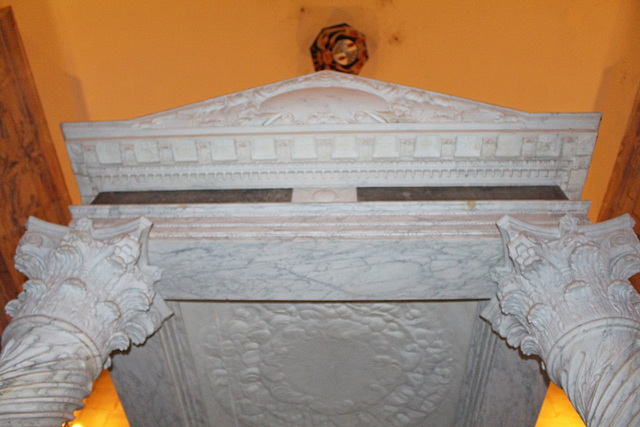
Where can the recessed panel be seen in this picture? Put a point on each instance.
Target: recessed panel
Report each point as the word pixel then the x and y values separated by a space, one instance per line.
pixel 330 364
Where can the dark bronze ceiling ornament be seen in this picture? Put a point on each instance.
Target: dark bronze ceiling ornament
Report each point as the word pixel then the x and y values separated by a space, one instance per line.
pixel 339 48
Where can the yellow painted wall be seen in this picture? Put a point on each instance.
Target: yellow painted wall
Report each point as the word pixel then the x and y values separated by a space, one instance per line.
pixel 118 59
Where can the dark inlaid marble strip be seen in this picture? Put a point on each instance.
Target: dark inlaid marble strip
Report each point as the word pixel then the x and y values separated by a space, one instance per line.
pixel 405 194
pixel 365 194
pixel 280 195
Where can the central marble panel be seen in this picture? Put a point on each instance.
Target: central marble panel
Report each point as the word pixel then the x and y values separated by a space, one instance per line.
pixel 330 364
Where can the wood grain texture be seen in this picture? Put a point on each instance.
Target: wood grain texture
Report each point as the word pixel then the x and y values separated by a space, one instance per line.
pixel 623 193
pixel 31 182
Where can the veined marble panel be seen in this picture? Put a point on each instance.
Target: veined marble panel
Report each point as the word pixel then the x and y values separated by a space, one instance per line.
pixel 327 270
pixel 329 252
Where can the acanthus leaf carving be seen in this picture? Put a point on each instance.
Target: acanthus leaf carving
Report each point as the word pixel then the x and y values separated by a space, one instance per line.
pixel 560 291
pixel 90 292
pixel 85 271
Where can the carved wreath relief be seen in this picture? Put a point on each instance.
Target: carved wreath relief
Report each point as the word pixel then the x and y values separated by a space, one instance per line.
pixel 328 364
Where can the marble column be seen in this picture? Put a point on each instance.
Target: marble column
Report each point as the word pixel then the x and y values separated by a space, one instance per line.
pixel 90 292
pixel 563 295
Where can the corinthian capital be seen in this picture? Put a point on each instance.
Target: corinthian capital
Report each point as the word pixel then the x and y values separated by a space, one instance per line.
pixel 90 292
pixel 563 295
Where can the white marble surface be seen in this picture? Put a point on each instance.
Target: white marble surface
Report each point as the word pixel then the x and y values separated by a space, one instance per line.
pixel 156 381
pixel 146 390
pixel 324 195
pixel 322 253
pixel 515 388
pixel 327 270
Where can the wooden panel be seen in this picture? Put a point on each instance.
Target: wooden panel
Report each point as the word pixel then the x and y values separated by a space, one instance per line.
pixel 30 179
pixel 623 194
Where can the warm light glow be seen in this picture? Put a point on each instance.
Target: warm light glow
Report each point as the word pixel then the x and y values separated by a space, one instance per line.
pixel 557 410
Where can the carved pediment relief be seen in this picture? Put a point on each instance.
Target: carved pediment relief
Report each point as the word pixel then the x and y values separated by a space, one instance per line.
pixel 328 97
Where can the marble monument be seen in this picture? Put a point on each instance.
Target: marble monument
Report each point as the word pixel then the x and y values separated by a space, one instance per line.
pixel 373 237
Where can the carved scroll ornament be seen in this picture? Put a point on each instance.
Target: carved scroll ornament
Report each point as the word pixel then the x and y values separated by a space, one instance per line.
pixel 563 295
pixel 90 292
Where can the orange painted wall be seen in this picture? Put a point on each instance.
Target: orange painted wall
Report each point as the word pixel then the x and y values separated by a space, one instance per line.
pixel 98 60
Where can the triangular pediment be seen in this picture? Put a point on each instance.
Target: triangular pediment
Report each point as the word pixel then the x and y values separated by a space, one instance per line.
pixel 328 97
